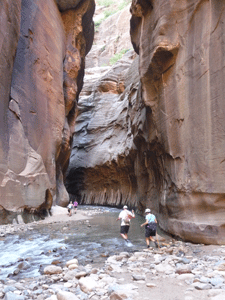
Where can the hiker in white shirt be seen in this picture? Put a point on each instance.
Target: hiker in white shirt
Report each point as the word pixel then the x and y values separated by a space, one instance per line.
pixel 125 216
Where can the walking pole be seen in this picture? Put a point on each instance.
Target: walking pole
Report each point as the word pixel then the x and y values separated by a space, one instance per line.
pixel 157 240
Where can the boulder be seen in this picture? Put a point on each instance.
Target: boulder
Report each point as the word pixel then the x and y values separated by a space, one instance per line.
pixel 87 284
pixel 50 270
pixel 73 261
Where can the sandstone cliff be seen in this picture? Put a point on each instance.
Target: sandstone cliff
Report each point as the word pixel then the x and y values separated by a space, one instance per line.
pixel 159 142
pixel 43 47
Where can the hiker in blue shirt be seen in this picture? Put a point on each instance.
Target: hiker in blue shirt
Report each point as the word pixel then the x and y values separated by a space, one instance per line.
pixel 150 227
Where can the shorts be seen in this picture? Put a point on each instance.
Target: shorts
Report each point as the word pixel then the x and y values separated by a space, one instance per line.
pixel 124 229
pixel 150 229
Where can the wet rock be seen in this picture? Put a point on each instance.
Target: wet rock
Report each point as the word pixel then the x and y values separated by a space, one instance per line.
pixel 50 270
pixel 72 262
pixel 72 266
pixel 81 274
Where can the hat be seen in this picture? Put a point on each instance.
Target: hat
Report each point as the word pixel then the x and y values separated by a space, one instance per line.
pixel 125 207
pixel 147 210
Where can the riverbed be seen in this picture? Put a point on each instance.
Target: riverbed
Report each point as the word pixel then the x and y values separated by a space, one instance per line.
pixel 83 257
pixel 91 240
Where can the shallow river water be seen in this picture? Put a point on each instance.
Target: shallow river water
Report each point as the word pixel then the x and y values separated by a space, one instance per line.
pixel 90 241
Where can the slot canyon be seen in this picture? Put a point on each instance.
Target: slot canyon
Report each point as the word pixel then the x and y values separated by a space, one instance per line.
pixel 145 131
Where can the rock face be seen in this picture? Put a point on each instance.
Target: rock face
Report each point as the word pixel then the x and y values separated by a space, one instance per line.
pixel 100 169
pixel 41 76
pixel 183 84
pixel 159 142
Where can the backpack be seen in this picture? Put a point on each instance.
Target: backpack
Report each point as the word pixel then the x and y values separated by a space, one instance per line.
pixel 126 219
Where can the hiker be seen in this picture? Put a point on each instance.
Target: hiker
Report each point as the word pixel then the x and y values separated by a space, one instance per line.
pixel 125 216
pixel 150 227
pixel 70 208
pixel 75 204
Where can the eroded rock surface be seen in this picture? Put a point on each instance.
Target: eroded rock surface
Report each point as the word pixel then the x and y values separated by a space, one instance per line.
pixel 183 84
pixel 43 47
pixel 100 169
pixel 164 144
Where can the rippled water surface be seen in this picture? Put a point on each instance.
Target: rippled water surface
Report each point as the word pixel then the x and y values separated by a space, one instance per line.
pixel 90 242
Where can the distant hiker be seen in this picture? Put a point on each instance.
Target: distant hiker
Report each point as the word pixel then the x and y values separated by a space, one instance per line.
pixel 150 227
pixel 125 216
pixel 70 208
pixel 75 204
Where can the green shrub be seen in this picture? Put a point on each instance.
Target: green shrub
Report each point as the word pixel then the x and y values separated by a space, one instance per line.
pixel 117 56
pixel 105 3
pixel 123 4
pixel 111 9
pixel 109 12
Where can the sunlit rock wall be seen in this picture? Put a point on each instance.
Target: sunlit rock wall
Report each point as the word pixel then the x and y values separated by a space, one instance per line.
pixel 43 47
pixel 182 59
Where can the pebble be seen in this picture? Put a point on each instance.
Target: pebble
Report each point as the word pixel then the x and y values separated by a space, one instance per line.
pixel 52 270
pixel 196 272
pixel 150 284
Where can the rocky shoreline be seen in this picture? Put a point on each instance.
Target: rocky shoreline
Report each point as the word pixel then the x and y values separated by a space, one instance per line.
pixel 175 271
pixel 191 271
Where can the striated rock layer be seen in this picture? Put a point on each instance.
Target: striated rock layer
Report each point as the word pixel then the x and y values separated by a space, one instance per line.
pixel 101 169
pixel 160 142
pixel 181 49
pixel 43 47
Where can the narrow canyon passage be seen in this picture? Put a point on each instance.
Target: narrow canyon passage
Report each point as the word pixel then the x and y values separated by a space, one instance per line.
pixel 139 138
pixel 146 127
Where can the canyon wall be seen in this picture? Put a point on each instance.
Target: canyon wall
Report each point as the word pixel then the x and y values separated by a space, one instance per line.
pixel 43 48
pixel 159 140
pixel 181 51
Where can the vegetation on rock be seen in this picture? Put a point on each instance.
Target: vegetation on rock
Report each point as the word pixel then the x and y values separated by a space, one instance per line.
pixel 109 8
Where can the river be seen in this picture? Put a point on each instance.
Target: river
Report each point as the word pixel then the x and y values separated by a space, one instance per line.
pixel 25 254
